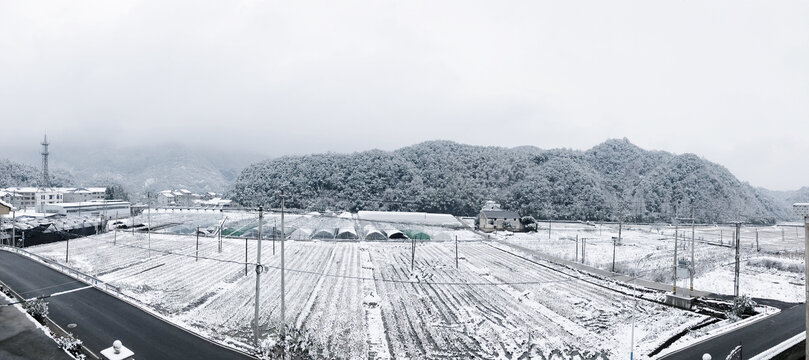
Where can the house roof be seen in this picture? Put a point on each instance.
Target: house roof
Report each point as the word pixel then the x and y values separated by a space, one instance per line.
pixel 500 214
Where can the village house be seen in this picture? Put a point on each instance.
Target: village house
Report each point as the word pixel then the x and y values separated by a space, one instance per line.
pixel 492 218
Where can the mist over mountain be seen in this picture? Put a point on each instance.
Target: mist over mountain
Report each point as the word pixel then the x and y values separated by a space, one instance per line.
pixel 137 169
pixel 614 180
pixel 787 198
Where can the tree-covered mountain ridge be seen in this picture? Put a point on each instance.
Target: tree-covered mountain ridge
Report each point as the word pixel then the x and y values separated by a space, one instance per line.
pixel 615 180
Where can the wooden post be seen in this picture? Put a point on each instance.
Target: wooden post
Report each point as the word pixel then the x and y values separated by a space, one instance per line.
pixel 197 252
pixel 456 251
pixel 736 274
pixel 583 250
pixel 412 253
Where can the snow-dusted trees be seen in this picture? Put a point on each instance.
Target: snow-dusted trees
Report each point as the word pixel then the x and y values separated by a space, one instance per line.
pixel 612 181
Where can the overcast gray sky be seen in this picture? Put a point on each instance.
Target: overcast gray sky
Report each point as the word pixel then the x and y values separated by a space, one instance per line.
pixel 727 80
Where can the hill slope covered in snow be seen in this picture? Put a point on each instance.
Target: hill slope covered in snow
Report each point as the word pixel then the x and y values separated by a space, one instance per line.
pixel 613 180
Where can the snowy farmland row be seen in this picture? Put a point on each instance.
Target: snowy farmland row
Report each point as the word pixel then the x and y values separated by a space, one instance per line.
pixel 493 305
pixel 771 267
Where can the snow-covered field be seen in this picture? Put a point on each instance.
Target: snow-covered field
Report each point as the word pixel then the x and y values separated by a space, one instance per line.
pixel 772 269
pixel 359 298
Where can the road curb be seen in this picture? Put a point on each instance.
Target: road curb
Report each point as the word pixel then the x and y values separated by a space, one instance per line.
pixel 721 331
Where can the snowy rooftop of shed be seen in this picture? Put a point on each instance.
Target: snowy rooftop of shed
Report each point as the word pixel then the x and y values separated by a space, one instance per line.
pixel 500 214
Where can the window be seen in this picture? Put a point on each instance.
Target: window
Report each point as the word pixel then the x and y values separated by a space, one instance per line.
pixel 51 197
pixel 43 197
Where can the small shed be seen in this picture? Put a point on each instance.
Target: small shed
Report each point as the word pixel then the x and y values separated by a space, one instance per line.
pixel 5 208
pixel 491 220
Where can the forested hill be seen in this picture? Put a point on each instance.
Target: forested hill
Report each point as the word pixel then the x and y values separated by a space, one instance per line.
pixel 614 180
pixel 16 174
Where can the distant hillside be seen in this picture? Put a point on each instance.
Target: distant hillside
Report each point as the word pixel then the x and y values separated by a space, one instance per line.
pixel 613 180
pixel 147 168
pixel 787 198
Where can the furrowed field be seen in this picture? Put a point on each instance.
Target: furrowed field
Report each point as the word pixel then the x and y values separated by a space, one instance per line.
pixel 360 299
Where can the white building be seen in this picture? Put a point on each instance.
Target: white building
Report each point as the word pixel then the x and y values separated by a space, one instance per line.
pixel 165 198
pixel 83 194
pixel 108 208
pixel 31 197
pixel 37 197
pixel 491 220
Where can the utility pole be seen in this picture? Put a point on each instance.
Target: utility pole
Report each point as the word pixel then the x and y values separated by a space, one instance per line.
pixel 676 236
pixel 219 235
pixel 456 251
pixel 149 220
pixel 258 274
pixel 273 238
pixel 14 228
pixel 67 249
pixel 693 266
pixel 583 249
pixel 758 248
pixel 283 286
pixel 614 242
pixel 736 273
pixel 802 209
pixel 576 254
pixel 549 228
pixel 197 252
pixel 412 253
pixel 245 256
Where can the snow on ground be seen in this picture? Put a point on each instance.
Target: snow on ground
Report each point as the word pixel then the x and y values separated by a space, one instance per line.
pixel 772 269
pixel 514 308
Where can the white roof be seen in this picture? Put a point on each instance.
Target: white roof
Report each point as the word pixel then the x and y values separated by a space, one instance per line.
pixel 21 189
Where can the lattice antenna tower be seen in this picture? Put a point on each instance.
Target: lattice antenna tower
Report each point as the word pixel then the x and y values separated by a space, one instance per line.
pixel 46 180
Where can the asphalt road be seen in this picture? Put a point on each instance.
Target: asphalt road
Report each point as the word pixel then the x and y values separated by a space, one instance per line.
pixel 101 318
pixel 754 338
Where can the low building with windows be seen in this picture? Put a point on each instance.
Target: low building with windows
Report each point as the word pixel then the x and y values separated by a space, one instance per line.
pixel 70 195
pixel 496 219
pixel 110 209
